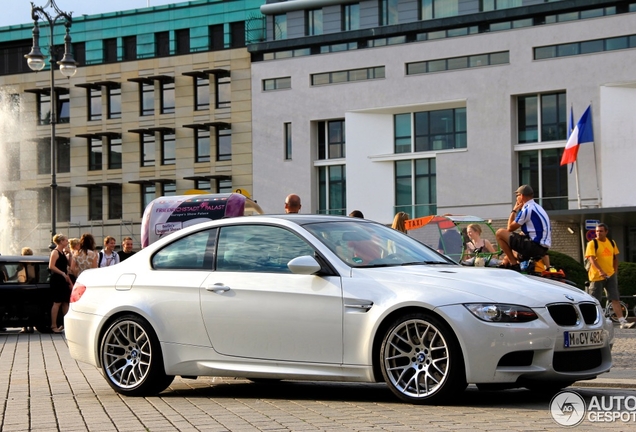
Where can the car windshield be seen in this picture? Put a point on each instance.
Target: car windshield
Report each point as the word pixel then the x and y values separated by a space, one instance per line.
pixel 362 244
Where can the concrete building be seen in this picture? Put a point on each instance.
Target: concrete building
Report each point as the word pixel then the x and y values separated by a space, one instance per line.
pixel 160 104
pixel 446 106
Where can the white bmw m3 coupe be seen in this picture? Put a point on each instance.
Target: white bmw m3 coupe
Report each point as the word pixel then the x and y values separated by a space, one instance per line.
pixel 309 297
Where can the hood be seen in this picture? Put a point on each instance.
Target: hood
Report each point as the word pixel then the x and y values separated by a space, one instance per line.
pixel 478 284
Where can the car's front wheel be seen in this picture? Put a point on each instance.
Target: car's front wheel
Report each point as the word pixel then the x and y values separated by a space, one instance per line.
pixel 421 360
pixel 131 358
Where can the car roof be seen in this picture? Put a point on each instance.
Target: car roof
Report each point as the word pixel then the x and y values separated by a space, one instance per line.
pixel 23 258
pixel 302 219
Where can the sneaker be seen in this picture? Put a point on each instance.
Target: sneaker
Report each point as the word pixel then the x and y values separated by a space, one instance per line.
pixel 627 324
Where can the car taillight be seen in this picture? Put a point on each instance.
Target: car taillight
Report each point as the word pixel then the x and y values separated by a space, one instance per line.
pixel 78 291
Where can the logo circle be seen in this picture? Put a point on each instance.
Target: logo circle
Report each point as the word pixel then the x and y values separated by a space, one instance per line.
pixel 567 408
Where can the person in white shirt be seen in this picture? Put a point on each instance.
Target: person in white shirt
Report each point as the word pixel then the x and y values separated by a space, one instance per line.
pixel 107 256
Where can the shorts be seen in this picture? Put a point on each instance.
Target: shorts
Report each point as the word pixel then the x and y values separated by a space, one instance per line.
pixel 526 247
pixel 610 284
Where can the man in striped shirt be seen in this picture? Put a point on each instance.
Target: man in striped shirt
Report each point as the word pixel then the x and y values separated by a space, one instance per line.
pixel 535 237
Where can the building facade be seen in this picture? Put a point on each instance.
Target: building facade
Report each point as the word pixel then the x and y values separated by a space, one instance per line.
pixel 160 105
pixel 446 106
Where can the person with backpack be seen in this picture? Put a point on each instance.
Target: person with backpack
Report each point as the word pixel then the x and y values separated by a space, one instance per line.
pixel 602 256
pixel 107 256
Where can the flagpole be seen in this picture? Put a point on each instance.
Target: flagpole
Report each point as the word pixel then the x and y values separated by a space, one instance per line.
pixel 578 191
pixel 598 189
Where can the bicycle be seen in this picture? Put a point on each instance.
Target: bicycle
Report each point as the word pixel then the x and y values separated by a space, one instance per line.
pixel 608 310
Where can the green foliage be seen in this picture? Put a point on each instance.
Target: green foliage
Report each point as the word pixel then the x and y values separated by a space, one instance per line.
pixel 574 270
pixel 627 278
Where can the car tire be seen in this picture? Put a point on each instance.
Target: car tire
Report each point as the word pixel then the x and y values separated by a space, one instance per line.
pixel 131 358
pixel 421 360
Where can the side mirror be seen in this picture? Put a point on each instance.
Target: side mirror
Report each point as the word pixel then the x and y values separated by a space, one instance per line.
pixel 305 265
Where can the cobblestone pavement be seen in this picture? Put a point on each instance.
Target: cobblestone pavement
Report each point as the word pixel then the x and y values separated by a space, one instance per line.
pixel 43 389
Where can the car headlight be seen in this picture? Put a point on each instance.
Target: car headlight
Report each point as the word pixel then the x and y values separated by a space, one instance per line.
pixel 503 313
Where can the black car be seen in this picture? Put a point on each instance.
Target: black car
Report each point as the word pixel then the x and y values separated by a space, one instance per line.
pixel 25 294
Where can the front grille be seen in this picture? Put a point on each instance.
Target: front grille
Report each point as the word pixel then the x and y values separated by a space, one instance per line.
pixel 590 313
pixel 564 314
pixel 576 361
pixel 517 358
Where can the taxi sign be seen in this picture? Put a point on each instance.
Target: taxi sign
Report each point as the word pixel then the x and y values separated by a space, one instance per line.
pixel 411 224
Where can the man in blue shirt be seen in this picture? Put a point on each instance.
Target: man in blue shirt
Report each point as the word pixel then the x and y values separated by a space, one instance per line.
pixel 535 237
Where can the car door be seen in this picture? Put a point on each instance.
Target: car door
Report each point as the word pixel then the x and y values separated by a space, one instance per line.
pixel 254 307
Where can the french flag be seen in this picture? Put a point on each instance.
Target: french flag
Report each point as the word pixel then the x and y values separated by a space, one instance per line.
pixel 582 133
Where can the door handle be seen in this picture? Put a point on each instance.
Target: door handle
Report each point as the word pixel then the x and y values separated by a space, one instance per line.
pixel 218 288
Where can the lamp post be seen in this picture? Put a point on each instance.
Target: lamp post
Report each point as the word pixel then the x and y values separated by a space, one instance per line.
pixel 68 67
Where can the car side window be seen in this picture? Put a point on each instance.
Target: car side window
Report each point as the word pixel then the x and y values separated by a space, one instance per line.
pixel 258 248
pixel 193 252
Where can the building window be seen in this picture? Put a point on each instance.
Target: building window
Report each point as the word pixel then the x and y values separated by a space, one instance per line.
pixel 168 149
pixel 542 170
pixel 79 53
pixel 288 141
pixel 63 107
pixel 94 104
pixel 490 5
pixel 224 186
pixel 110 50
pixel 168 189
pixel 203 185
pixel 223 144
pixel 202 145
pixel 585 47
pixel 332 190
pixel 114 153
pixel 276 83
pixel 223 92
pixel 63 204
pixel 148 192
pixel 415 187
pixel 217 36
pixel 548 110
pixel 63 155
pixel 114 102
pixel 201 94
pixel 388 12
pixel 162 44
pixel 95 203
pixel 439 8
pixel 130 48
pixel 183 41
pixel 347 76
pixel 13 161
pixel 351 17
pixel 95 153
pixel 237 34
pixel 167 97
pixel 313 22
pixel 147 143
pixel 433 130
pixel 454 63
pixel 147 98
pixel 280 27
pixel 114 202
pixel 331 139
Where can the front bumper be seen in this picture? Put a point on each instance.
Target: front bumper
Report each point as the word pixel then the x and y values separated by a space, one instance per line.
pixel 510 352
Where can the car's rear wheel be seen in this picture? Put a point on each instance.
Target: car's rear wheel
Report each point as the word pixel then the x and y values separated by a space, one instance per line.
pixel 131 358
pixel 421 360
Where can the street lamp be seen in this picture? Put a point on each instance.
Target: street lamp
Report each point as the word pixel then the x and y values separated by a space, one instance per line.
pixel 68 67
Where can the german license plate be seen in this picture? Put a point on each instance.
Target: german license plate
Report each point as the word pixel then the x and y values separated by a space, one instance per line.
pixel 582 338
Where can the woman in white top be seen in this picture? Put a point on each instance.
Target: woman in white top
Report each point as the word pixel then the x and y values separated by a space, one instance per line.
pixel 86 257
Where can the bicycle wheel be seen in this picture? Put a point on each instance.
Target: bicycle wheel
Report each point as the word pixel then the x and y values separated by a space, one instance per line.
pixel 623 310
